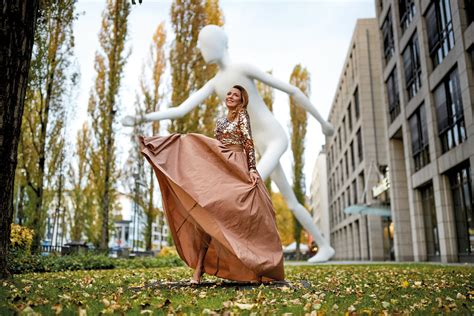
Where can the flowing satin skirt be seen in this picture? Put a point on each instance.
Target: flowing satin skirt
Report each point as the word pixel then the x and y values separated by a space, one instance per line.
pixel 207 191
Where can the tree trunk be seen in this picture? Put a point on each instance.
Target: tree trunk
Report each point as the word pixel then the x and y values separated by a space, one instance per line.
pixel 17 28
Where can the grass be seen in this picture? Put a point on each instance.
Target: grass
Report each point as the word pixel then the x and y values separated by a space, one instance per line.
pixel 318 289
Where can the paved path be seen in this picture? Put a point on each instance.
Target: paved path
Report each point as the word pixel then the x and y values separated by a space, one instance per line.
pixel 342 262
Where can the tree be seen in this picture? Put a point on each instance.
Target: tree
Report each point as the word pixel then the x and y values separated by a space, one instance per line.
pixel 301 79
pixel 152 98
pixel 189 72
pixel 266 92
pixel 103 106
pixel 17 29
pixel 43 122
pixel 284 219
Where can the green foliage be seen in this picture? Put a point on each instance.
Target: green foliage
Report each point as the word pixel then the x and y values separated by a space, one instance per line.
pixel 189 72
pixel 23 263
pixel 299 78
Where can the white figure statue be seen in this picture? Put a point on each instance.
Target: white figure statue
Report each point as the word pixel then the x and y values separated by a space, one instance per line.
pixel 269 136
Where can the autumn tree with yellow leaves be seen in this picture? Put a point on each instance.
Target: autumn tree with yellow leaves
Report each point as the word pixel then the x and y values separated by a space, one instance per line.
pixel 41 147
pixel 301 79
pixel 103 107
pixel 189 72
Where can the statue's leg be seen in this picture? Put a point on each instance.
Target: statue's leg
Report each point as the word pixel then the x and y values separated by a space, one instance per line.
pixel 270 156
pixel 325 251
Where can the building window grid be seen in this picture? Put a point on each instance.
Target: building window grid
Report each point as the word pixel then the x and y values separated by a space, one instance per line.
pixel 412 65
pixel 393 96
pixel 407 12
pixel 448 100
pixel 419 138
pixel 344 129
pixel 440 30
pixel 388 41
pixel 354 192
pixel 347 165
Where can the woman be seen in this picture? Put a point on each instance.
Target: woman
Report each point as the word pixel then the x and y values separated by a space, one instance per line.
pixel 218 210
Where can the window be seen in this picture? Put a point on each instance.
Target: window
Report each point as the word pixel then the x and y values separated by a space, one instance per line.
pixel 450 113
pixel 349 117
pixel 347 164
pixel 440 30
pixel 430 221
pixel 339 138
pixel 359 146
pixel 356 104
pixel 411 62
pixel 362 185
pixel 344 129
pixel 388 43
pixel 461 189
pixel 354 191
pixel 341 171
pixel 419 138
pixel 469 8
pixel 393 98
pixel 351 148
pixel 348 195
pixel 407 11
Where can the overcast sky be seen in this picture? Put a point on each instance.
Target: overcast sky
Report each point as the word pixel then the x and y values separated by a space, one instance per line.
pixel 273 35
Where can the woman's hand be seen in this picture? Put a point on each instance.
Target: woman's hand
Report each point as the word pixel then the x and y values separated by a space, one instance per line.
pixel 254 177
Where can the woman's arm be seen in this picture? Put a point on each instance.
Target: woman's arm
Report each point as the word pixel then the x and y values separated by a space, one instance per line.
pixel 190 103
pixel 247 141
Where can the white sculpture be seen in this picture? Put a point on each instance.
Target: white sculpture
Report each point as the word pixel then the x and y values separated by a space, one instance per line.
pixel 269 136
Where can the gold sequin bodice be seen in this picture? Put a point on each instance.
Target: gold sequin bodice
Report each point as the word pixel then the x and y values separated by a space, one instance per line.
pixel 237 132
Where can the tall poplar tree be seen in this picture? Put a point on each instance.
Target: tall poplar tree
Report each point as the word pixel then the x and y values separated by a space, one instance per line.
pixel 103 106
pixel 17 31
pixel 43 122
pixel 188 69
pixel 148 100
pixel 300 78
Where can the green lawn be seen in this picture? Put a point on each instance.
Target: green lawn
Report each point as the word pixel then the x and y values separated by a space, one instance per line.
pixel 325 289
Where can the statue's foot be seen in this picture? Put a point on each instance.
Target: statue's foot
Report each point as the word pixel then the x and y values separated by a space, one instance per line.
pixel 323 255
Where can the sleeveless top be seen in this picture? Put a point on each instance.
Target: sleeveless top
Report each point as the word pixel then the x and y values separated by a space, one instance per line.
pixel 237 132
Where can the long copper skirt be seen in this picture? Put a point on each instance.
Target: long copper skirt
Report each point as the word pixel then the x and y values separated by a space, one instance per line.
pixel 207 191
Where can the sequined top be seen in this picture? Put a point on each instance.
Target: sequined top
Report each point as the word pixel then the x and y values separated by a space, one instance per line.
pixel 237 132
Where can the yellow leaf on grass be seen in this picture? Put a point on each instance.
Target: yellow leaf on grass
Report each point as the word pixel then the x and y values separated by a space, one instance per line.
pixel 405 284
pixel 244 306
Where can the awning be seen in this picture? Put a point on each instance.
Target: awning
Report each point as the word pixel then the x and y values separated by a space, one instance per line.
pixel 375 210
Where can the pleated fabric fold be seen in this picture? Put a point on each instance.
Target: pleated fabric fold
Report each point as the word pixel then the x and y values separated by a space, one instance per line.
pixel 206 189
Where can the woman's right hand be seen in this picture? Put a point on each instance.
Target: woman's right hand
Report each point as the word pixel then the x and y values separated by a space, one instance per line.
pixel 130 120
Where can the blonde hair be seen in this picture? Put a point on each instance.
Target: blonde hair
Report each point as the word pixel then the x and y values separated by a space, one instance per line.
pixel 244 96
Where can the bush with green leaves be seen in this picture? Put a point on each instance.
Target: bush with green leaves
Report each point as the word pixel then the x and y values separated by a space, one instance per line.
pixel 23 263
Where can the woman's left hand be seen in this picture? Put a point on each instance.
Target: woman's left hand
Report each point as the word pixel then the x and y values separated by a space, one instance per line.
pixel 254 177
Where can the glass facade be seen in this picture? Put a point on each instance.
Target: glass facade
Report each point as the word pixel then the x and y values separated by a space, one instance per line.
pixel 450 113
pixel 412 66
pixel 393 97
pixel 440 30
pixel 430 221
pixel 407 12
pixel 463 207
pixel 419 138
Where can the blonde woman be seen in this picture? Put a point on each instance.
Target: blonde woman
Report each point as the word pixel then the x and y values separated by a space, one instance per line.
pixel 219 212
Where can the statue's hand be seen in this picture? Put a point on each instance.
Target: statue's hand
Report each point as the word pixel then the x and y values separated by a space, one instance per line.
pixel 328 129
pixel 130 120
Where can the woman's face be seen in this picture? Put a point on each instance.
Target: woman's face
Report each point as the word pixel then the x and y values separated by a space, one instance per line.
pixel 233 98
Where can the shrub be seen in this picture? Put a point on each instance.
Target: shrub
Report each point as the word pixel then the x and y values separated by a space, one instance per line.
pixel 23 263
pixel 21 239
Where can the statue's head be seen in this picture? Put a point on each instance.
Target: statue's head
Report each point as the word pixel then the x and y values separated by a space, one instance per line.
pixel 212 42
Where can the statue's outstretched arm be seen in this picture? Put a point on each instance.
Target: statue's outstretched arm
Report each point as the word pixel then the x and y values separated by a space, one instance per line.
pixel 298 96
pixel 190 103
